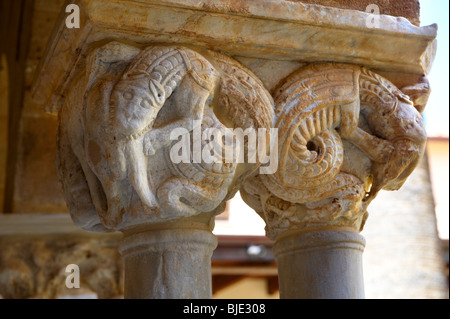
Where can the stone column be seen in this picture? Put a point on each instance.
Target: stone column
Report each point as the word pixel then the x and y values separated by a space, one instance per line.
pixel 133 156
pixel 321 265
pixel 332 165
pixel 168 263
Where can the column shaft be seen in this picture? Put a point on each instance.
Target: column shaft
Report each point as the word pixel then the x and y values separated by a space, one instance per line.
pixel 320 265
pixel 168 263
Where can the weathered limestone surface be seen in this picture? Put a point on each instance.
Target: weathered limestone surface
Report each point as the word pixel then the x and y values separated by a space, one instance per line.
pixel 323 181
pixel 114 141
pixel 253 28
pixel 345 131
pixel 116 163
pixel 37 190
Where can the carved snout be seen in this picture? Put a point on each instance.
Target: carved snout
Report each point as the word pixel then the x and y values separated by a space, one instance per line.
pixel 419 93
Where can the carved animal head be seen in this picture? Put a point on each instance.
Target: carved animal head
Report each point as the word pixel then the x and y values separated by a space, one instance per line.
pixel 134 104
pixel 143 89
pixel 396 119
pixel 409 146
pixel 412 123
pixel 419 93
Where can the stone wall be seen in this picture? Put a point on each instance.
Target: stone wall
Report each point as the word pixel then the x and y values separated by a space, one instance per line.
pixel 403 256
pixel 36 187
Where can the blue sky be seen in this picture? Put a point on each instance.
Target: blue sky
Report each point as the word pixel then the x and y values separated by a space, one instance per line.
pixel 437 111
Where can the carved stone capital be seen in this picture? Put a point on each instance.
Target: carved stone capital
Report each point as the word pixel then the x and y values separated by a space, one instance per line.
pixel 345 133
pixel 116 144
pixel 123 124
pixel 35 267
pixel 343 211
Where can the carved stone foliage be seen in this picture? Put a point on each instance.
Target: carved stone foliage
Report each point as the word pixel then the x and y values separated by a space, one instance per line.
pixel 115 130
pixel 345 133
pixel 36 268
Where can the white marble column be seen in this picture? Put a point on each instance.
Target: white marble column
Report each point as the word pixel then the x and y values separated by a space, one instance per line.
pixel 320 265
pixel 172 262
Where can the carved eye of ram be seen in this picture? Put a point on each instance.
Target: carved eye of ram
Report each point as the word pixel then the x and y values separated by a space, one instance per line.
pixel 128 95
